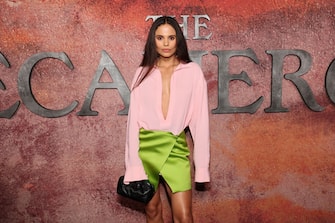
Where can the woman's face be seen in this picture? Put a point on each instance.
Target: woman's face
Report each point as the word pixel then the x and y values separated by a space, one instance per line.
pixel 166 42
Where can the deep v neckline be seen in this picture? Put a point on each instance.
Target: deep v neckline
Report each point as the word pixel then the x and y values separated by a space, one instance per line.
pixel 165 107
pixel 165 95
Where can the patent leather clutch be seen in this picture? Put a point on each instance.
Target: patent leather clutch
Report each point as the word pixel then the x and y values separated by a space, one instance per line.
pixel 141 191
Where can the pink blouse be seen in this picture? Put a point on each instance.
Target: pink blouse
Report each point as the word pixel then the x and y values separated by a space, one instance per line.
pixel 188 106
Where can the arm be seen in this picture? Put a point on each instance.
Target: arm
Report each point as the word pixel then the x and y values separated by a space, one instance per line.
pixel 199 126
pixel 134 167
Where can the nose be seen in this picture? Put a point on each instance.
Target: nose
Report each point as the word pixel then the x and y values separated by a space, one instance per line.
pixel 166 42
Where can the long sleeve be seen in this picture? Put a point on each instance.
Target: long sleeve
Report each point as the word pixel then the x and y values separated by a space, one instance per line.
pixel 134 167
pixel 199 126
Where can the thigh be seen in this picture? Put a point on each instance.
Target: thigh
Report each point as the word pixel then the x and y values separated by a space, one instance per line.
pixel 181 203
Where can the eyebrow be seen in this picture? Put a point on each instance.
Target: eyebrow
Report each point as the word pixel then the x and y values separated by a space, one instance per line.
pixel 168 35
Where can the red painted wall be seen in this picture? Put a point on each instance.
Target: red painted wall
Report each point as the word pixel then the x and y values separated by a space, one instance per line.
pixel 265 167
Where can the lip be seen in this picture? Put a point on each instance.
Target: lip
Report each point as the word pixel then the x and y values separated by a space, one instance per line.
pixel 166 50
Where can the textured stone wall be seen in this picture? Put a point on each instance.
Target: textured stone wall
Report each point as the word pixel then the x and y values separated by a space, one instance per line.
pixel 265 167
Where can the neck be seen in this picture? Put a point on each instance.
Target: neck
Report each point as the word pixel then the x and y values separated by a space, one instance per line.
pixel 167 62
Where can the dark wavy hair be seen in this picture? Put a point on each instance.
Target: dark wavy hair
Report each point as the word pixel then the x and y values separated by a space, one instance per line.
pixel 150 53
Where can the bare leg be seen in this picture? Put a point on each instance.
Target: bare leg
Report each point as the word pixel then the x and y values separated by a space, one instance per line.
pixel 153 209
pixel 181 204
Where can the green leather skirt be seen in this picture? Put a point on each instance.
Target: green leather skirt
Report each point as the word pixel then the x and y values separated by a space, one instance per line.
pixel 166 155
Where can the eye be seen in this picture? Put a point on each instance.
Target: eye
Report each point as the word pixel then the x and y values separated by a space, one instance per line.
pixel 159 37
pixel 172 37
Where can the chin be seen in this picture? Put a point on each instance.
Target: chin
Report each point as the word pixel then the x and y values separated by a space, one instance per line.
pixel 163 55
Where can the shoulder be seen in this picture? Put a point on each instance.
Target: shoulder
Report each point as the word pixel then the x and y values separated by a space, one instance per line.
pixel 138 71
pixel 192 69
pixel 138 75
pixel 190 65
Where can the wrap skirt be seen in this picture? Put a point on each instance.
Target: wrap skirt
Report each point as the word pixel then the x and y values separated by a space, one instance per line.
pixel 166 155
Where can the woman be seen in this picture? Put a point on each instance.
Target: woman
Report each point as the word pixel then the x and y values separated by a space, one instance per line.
pixel 169 94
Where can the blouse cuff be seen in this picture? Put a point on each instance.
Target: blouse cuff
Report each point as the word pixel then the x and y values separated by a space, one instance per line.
pixel 134 173
pixel 202 175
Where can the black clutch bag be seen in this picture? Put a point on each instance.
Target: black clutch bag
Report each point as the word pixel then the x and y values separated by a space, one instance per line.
pixel 141 190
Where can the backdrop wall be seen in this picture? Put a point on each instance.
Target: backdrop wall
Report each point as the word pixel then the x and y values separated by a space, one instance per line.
pixel 274 162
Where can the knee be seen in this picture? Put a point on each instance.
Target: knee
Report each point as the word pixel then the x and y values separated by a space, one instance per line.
pixel 153 210
pixel 183 217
